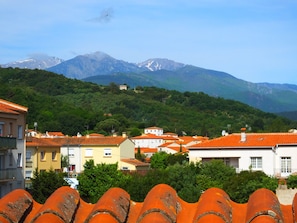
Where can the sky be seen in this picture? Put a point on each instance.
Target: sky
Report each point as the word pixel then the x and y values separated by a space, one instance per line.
pixel 253 40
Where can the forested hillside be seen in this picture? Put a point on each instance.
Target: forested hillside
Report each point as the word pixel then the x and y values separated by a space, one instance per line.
pixel 57 103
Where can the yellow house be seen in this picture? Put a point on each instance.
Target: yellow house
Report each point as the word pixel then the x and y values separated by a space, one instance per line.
pixel 109 150
pixel 101 149
pixel 42 154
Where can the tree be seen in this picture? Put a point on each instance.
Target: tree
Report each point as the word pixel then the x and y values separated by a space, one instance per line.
pixel 138 185
pixel 241 186
pixel 108 125
pixel 64 161
pixel 97 179
pixel 140 156
pixel 177 158
pixel 182 179
pixel 159 160
pixel 217 172
pixel 292 181
pixel 44 183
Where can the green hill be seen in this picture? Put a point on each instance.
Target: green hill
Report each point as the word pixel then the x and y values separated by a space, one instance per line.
pixel 57 103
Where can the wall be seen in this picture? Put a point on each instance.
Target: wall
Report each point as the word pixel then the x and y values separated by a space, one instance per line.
pixel 285 195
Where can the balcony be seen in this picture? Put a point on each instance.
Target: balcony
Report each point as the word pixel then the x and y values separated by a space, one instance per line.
pixel 7 143
pixel 8 174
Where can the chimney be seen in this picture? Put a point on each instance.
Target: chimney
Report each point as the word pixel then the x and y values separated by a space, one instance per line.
pixel 243 135
pixel 124 134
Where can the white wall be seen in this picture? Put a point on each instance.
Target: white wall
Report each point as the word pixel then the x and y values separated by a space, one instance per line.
pixel 244 157
pixel 286 151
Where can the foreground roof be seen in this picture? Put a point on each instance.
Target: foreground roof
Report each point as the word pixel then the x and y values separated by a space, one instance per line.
pixel 161 205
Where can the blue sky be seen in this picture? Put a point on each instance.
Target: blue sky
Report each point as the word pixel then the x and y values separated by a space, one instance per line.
pixel 254 40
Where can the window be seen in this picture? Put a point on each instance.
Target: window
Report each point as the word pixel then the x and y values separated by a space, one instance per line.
pixel 19 160
pixel 20 132
pixel 10 158
pixel 28 174
pixel 1 128
pixel 71 152
pixel 286 164
pixel 28 155
pixel 54 155
pixel 10 129
pixel 256 162
pixel 42 155
pixel 107 152
pixel 89 152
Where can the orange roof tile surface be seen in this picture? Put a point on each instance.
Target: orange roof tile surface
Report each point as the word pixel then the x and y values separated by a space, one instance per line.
pixel 108 140
pixel 161 205
pixel 12 108
pixel 251 140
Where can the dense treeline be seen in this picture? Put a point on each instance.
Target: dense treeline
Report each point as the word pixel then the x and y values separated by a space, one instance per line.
pixel 188 179
pixel 57 103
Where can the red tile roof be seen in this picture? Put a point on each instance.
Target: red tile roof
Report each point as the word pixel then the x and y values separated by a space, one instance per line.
pixel 108 140
pixel 12 108
pixel 251 140
pixel 148 136
pixel 161 205
pixel 135 162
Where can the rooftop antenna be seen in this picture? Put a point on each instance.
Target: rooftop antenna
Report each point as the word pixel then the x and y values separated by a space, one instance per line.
pixel 35 126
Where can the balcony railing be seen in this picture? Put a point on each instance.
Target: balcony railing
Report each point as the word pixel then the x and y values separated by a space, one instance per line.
pixel 8 174
pixel 7 143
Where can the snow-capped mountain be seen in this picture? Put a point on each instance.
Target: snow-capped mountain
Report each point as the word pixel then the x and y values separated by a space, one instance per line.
pixel 93 64
pixel 36 62
pixel 160 64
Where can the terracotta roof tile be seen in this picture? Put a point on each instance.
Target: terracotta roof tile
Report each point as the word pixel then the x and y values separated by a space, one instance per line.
pixel 252 140
pixel 263 203
pixel 135 162
pixel 61 205
pixel 113 206
pixel 108 140
pixel 15 206
pixel 12 108
pixel 161 204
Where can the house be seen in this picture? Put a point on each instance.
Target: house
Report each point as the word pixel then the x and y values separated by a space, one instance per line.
pixel 147 141
pixel 123 87
pixel 101 149
pixel 172 148
pixel 12 146
pixel 181 144
pixel 155 141
pixel 273 153
pixel 154 130
pixel 42 154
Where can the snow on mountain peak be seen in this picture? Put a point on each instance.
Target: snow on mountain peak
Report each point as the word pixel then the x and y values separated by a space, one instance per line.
pixel 159 64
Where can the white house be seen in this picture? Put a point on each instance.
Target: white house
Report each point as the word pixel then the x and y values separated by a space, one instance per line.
pixel 154 130
pixel 147 141
pixel 273 153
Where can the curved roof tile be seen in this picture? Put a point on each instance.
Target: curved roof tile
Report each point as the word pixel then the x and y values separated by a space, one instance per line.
pixel 263 203
pixel 15 206
pixel 113 206
pixel 161 205
pixel 214 201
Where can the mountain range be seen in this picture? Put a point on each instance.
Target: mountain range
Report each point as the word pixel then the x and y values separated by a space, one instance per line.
pixel 103 69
